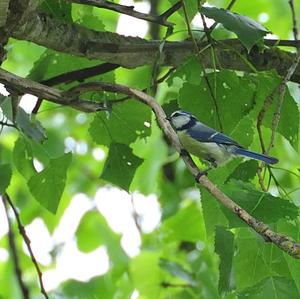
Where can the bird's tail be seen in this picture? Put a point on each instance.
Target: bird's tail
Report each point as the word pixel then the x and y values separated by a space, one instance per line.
pixel 256 156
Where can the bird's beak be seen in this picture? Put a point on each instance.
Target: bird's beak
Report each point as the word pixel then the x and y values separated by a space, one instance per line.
pixel 168 118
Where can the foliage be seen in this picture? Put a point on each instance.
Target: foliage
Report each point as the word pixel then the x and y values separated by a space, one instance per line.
pixel 199 248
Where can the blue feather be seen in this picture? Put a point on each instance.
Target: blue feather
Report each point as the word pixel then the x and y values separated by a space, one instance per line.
pixel 257 156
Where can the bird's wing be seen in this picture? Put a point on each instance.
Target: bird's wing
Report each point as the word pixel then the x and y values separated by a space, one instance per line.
pixel 203 133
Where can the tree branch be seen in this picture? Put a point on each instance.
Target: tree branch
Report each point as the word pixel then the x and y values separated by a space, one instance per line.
pixel 81 74
pixel 170 11
pixel 124 9
pixel 6 124
pixel 288 76
pixel 281 90
pixel 132 52
pixel 78 75
pixel 27 242
pixel 283 242
pixel 22 85
pixel 14 252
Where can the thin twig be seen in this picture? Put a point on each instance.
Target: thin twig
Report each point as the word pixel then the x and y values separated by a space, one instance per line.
pixel 285 243
pixel 269 99
pixel 170 11
pixel 6 124
pixel 282 86
pixel 135 216
pixel 23 85
pixel 27 242
pixel 160 80
pixel 81 74
pixel 78 75
pixel 261 181
pixel 166 284
pixel 14 252
pixel 281 89
pixel 294 19
pixel 124 9
pixel 214 25
pixel 204 71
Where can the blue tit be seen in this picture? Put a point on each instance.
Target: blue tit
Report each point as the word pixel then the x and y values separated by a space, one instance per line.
pixel 208 144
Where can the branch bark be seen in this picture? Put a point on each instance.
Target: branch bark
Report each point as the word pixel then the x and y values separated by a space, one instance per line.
pixel 283 242
pixel 27 242
pixel 22 85
pixel 125 9
pixel 131 52
pixel 14 252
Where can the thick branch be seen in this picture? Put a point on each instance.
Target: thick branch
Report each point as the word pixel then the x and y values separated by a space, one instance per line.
pixel 285 243
pixel 132 52
pixel 22 85
pixel 124 9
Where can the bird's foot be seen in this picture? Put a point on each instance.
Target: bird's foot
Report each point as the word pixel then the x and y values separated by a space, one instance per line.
pixel 200 174
pixel 184 153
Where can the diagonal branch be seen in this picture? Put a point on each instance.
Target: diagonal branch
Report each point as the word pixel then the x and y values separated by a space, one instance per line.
pixel 125 9
pixel 14 251
pixel 27 242
pixel 287 78
pixel 211 92
pixel 77 75
pixel 283 242
pixel 23 85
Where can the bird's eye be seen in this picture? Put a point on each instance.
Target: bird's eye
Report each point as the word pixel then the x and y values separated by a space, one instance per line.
pixel 176 114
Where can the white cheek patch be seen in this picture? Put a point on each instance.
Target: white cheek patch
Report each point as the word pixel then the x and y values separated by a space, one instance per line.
pixel 180 121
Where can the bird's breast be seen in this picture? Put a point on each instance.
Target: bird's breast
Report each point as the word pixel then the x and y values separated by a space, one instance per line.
pixel 204 150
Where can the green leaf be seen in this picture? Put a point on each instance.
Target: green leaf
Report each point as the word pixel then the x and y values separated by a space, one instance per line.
pixel 247 30
pixel 125 124
pixel 47 186
pixel 30 126
pixel 250 257
pixel 224 247
pixel 154 153
pixel 91 289
pixel 23 158
pixel 58 9
pixel 120 165
pixel 245 171
pixel 5 177
pixel 177 270
pixel 146 274
pixel 94 224
pixel 272 287
pixel 263 206
pixel 191 8
pixel 212 213
pixel 192 230
pixel 230 92
pixel 189 71
pixel 260 259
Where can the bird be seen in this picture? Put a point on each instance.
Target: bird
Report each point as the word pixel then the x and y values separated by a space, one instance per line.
pixel 209 144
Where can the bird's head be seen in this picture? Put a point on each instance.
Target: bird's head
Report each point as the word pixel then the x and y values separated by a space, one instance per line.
pixel 181 120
